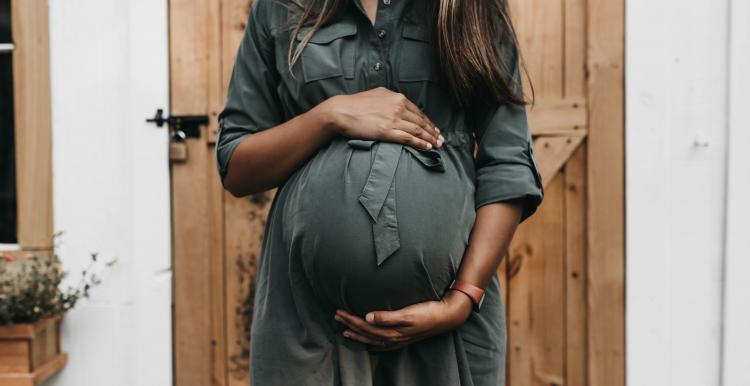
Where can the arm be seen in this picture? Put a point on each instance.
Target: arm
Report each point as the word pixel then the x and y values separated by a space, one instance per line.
pixel 257 148
pixel 266 159
pixel 489 241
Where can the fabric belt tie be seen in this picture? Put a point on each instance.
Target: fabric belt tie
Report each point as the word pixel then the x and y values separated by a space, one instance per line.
pixel 378 196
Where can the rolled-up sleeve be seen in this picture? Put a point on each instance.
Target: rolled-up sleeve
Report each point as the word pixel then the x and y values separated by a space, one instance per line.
pixel 252 102
pixel 505 165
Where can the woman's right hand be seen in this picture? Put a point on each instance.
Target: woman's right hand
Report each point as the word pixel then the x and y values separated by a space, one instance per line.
pixel 382 115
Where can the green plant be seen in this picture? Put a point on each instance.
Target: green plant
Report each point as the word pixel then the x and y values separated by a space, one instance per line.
pixel 30 287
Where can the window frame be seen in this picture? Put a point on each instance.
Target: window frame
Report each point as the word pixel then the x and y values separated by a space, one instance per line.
pixel 32 126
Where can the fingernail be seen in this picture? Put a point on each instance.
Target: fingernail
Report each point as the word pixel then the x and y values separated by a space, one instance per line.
pixel 337 318
pixel 436 129
pixel 347 334
pixel 429 146
pixel 370 318
pixel 442 139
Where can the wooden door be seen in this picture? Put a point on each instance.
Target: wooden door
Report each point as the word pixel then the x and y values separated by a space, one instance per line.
pixel 564 278
pixel 216 236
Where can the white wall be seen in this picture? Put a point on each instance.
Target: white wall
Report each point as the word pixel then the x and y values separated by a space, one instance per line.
pixel 678 104
pixel 111 186
pixel 688 249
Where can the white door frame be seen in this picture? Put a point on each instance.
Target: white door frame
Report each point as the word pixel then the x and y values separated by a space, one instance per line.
pixel 736 332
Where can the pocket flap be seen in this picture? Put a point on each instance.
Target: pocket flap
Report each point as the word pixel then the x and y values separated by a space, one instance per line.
pixel 415 32
pixel 421 62
pixel 431 159
pixel 329 33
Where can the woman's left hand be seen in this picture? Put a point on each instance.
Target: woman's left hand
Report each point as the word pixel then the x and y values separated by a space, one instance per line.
pixel 392 330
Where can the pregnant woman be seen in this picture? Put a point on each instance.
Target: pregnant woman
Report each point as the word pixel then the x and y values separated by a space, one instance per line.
pixel 395 131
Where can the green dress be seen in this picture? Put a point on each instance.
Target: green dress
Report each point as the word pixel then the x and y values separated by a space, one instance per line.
pixel 368 225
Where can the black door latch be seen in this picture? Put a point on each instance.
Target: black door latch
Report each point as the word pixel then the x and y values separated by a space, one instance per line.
pixel 181 126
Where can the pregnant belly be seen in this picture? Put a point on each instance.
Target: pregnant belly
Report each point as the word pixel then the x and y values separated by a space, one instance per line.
pixel 379 226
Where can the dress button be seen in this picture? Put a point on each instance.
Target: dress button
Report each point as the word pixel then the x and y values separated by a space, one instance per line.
pixel 378 66
pixel 387 2
pixel 381 33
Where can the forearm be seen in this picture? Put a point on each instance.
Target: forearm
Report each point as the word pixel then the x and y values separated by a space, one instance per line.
pixel 493 230
pixel 267 158
pixel 489 240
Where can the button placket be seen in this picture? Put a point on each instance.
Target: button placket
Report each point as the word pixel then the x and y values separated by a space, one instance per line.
pixel 382 23
pixel 378 66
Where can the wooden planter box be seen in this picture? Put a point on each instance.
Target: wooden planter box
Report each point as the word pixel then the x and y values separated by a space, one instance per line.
pixel 30 352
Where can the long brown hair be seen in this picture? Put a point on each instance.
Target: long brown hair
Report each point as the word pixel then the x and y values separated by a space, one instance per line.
pixel 477 43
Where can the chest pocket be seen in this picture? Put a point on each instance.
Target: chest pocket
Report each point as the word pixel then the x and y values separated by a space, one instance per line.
pixel 330 52
pixel 419 61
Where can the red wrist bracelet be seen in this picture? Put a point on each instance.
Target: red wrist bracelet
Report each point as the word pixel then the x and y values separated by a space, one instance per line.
pixel 475 293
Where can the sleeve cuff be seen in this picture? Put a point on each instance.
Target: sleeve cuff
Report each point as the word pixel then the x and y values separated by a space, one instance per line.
pixel 509 181
pixel 224 151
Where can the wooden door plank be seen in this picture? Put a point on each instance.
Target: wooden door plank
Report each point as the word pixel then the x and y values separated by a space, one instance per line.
pixel 540 28
pixel 605 233
pixel 234 17
pixel 575 49
pixel 558 116
pixel 245 221
pixel 217 279
pixel 576 316
pixel 215 191
pixel 216 91
pixel 190 55
pixel 552 153
pixel 537 302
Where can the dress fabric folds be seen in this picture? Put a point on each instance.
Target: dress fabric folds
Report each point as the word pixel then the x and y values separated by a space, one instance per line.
pixel 367 225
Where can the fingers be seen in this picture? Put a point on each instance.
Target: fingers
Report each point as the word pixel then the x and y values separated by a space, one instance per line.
pixel 416 115
pixel 383 330
pixel 389 318
pixel 412 113
pixel 358 332
pixel 402 135
pixel 361 327
pixel 368 340
pixel 428 128
pixel 374 344
pixel 417 136
pixel 416 110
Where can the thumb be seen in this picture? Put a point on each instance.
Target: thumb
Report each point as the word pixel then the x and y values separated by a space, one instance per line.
pixel 385 318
